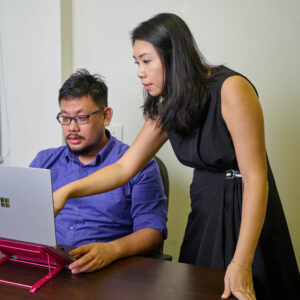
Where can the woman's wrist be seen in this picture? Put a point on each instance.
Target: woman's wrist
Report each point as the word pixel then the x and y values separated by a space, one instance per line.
pixel 246 268
pixel 243 255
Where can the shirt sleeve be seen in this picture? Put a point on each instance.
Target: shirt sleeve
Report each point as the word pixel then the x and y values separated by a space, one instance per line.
pixel 45 159
pixel 37 161
pixel 149 203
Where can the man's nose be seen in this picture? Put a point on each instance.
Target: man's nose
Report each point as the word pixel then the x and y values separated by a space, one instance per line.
pixel 73 126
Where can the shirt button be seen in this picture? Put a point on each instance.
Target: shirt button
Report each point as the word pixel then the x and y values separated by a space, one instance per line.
pixel 71 227
pixel 75 208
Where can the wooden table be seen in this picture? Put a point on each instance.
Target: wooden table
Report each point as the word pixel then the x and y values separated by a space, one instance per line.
pixel 132 278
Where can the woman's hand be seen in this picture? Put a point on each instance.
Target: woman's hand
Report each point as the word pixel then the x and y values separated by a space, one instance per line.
pixel 59 200
pixel 238 282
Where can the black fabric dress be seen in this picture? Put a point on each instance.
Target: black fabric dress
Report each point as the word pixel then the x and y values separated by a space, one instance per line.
pixel 216 201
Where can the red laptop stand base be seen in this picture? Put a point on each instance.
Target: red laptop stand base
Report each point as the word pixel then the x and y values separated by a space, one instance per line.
pixel 31 254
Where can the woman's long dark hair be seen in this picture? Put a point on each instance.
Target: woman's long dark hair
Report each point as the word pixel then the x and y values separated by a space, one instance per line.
pixel 186 73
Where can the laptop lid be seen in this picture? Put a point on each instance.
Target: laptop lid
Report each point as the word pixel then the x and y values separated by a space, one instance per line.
pixel 26 205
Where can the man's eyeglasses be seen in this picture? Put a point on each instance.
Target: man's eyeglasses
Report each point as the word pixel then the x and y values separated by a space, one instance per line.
pixel 80 119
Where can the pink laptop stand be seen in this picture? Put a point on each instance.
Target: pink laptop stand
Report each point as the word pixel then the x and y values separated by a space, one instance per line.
pixel 31 254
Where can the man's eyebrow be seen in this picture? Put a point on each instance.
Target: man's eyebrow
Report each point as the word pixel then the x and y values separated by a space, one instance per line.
pixel 77 112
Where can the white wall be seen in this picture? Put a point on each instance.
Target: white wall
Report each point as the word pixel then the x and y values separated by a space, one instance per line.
pixel 30 32
pixel 258 38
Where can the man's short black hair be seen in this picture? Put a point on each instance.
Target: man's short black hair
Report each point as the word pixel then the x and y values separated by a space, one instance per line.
pixel 82 83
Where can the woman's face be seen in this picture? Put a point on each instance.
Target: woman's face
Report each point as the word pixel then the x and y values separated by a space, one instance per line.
pixel 150 68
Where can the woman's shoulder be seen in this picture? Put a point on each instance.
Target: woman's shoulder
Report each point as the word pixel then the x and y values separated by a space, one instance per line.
pixel 220 73
pixel 237 90
pixel 224 78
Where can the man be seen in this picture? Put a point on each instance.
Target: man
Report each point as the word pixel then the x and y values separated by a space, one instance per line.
pixel 127 221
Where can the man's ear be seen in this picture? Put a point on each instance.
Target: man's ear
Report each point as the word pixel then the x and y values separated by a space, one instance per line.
pixel 107 114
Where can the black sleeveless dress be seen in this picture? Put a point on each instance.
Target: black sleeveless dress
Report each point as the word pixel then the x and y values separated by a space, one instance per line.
pixel 216 201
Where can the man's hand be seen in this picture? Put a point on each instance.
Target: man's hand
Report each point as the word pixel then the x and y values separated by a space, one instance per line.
pixel 92 257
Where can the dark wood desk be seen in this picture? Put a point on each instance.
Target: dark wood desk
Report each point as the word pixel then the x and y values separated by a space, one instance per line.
pixel 132 278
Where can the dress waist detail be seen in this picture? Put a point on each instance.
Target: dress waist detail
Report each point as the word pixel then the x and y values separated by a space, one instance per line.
pixel 230 174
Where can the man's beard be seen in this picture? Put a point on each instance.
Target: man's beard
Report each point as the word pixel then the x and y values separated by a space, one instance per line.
pixel 88 149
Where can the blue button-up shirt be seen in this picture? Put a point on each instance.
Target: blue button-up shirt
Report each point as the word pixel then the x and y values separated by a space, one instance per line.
pixel 104 217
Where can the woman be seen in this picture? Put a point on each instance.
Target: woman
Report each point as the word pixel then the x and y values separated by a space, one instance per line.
pixel 214 121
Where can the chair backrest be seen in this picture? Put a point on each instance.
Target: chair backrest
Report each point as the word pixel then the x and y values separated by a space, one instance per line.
pixel 165 179
pixel 164 176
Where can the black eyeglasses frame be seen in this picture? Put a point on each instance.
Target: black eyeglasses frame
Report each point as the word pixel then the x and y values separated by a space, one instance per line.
pixel 59 116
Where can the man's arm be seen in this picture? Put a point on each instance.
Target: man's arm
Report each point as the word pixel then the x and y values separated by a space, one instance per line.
pixel 149 215
pixel 94 256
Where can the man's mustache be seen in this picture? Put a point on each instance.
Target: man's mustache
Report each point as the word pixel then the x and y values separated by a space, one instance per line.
pixel 72 136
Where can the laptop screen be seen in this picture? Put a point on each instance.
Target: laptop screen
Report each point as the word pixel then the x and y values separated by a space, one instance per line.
pixel 26 205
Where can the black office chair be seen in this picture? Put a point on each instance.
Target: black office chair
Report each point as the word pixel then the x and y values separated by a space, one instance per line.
pixel 158 254
pixel 164 176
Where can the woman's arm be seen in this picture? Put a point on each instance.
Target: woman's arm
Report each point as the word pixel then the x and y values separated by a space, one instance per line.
pixel 243 116
pixel 147 143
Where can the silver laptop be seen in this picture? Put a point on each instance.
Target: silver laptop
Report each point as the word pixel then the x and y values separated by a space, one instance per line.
pixel 26 206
